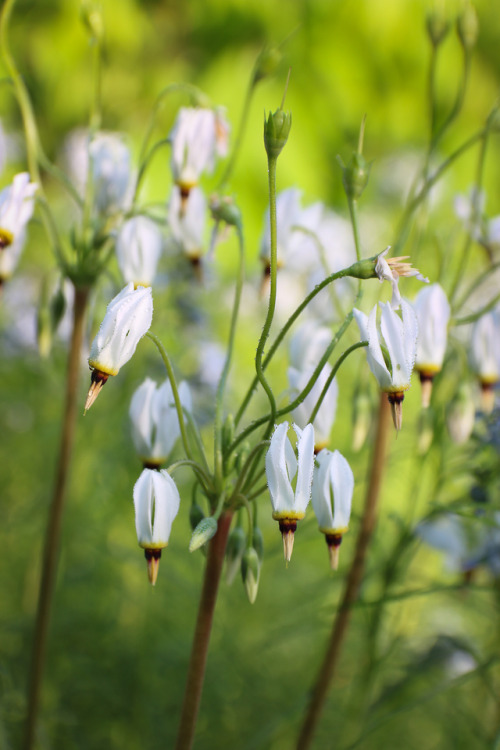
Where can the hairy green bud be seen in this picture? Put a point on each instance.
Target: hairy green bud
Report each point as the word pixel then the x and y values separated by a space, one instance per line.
pixel 355 176
pixel 266 63
pixel 468 27
pixel 437 27
pixel 250 572
pixel 223 208
pixel 276 131
pixel 205 530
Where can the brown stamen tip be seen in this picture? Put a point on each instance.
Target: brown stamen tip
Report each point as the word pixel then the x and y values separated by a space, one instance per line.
pixel 97 380
pixel 487 397
pixel 333 541
pixel 426 380
pixel 287 528
pixel 396 401
pixel 153 559
pixel 197 267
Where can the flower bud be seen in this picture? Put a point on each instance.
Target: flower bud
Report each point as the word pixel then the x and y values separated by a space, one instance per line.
pixel 258 543
pixel 437 28
pixel 223 208
pixel 468 27
pixel 250 572
pixel 204 531
pixel 266 63
pixel 355 176
pixel 196 515
pixel 276 131
pixel 234 552
pixel 57 308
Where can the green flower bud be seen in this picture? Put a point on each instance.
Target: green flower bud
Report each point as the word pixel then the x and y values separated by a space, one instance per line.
pixel 195 515
pixel 258 543
pixel 57 308
pixel 276 131
pixel 437 27
pixel 223 208
pixel 468 27
pixel 250 572
pixel 234 552
pixel 355 176
pixel 204 531
pixel 44 330
pixel 266 63
pixel 92 18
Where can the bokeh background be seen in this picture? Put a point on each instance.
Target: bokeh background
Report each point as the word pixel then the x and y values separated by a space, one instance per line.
pixel 419 665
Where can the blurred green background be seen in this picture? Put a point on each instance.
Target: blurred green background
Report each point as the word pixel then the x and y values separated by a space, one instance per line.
pixel 119 649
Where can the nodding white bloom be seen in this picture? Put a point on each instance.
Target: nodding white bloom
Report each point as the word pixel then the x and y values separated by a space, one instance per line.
pixel 324 419
pixel 197 137
pixel 186 220
pixel 16 208
pixel 400 337
pixel 282 466
pixel 433 314
pixel 390 270
pixel 156 501
pixel 332 489
pixel 128 317
pixel 288 216
pixel 138 250
pixel 155 424
pixel 485 355
pixel 110 168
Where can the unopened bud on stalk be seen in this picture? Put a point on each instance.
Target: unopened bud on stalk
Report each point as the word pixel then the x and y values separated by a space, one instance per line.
pixel 266 63
pixel 437 27
pixel 250 572
pixel 258 542
pixel 223 208
pixel 276 131
pixel 355 175
pixel 204 531
pixel 57 308
pixel 236 544
pixel 92 18
pixel 468 27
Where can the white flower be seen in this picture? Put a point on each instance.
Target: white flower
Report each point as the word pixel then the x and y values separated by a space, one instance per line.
pixel 485 355
pixel 128 317
pixel 186 220
pixel 197 136
pixel 16 209
pixel 433 314
pixel 332 489
pixel 390 270
pixel 401 340
pixel 289 503
pixel 110 167
pixel 325 417
pixel 155 425
pixel 156 501
pixel 138 249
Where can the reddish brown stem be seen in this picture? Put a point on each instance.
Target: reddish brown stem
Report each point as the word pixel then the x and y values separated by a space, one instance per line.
pixel 201 640
pixel 353 580
pixel 53 532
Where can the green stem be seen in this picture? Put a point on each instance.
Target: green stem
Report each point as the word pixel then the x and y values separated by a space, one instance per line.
pixel 53 532
pixel 353 581
pixel 331 377
pixel 478 314
pixel 477 283
pixel 219 401
pixel 206 481
pixel 353 212
pixel 272 291
pixel 175 392
pixel 201 640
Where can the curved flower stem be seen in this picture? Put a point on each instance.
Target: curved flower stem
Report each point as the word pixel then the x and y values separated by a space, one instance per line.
pixel 353 581
pixel 53 533
pixel 175 392
pixel 219 401
pixel 199 651
pixel 259 367
pixel 331 377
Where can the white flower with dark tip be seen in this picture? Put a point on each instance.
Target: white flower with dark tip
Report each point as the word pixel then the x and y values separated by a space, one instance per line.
pixel 332 489
pixel 186 221
pixel 156 501
pixel 390 270
pixel 485 355
pixel 128 317
pixel 110 168
pixel 197 137
pixel 16 208
pixel 433 314
pixel 155 424
pixel 138 250
pixel 289 479
pixel 400 336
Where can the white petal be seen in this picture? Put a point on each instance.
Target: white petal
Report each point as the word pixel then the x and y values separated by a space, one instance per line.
pixel 305 449
pixel 278 465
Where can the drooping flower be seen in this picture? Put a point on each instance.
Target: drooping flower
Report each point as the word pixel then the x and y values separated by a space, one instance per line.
pixel 110 168
pixel 433 314
pixel 186 221
pixel 155 424
pixel 332 489
pixel 390 270
pixel 138 250
pixel 156 501
pixel 16 208
pixel 290 499
pixel 128 317
pixel 197 137
pixel 485 355
pixel 400 337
